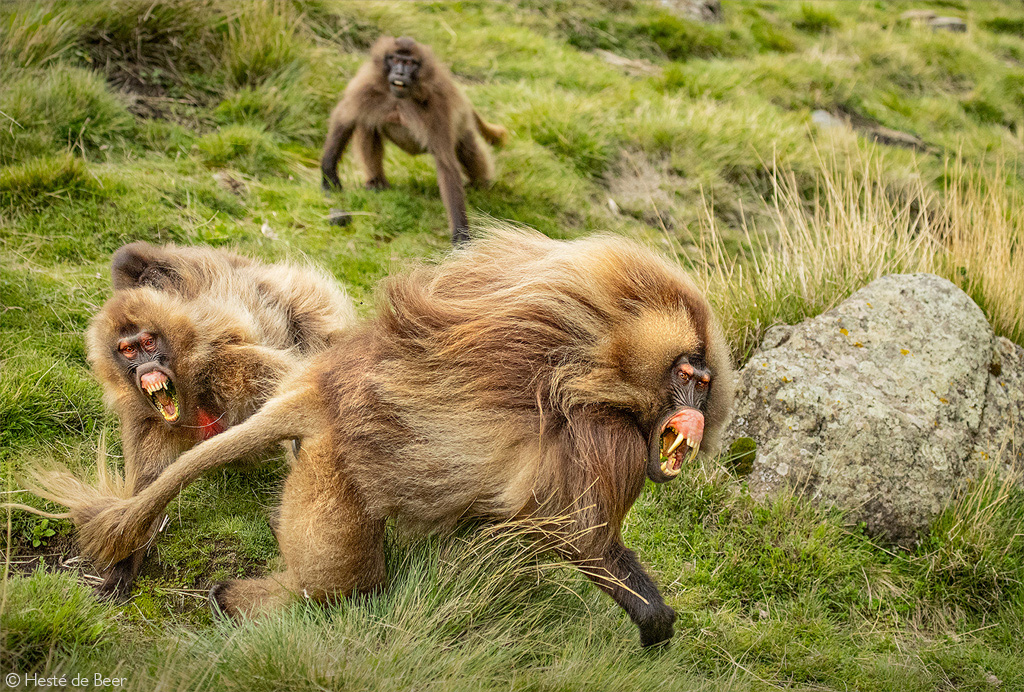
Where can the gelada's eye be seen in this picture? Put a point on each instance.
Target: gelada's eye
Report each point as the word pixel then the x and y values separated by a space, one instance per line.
pixel 148 343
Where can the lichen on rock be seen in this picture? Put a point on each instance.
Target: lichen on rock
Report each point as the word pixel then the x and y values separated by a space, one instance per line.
pixel 883 405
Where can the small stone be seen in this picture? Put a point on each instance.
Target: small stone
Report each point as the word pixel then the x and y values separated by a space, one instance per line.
pixel 631 66
pixel 954 24
pixel 826 120
pixel 701 10
pixel 339 217
pixel 895 138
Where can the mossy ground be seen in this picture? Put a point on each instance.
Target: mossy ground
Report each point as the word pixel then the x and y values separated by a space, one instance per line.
pixel 200 122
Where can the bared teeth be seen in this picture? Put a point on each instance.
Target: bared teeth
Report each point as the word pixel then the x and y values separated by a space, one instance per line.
pixel 694 448
pixel 667 467
pixel 674 445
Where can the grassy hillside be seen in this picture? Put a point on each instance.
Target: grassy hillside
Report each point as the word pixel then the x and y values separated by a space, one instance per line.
pixel 201 122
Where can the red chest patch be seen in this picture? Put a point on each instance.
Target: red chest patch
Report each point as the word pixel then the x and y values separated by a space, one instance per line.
pixel 209 425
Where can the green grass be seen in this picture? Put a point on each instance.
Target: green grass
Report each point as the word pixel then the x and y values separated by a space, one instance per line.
pixel 60 108
pixel 201 122
pixel 49 614
pixel 244 148
pixel 35 183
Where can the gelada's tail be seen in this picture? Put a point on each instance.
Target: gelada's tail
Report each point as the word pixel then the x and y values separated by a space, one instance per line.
pixel 496 135
pixel 53 481
pixel 112 525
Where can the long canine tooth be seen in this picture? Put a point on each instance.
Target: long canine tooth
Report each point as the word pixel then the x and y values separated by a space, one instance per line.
pixel 679 441
pixel 694 448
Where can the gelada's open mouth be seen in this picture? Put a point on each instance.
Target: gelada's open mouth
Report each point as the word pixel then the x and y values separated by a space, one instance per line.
pixel 680 436
pixel 162 394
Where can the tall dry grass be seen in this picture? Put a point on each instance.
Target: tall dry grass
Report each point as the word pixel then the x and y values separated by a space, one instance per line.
pixel 982 249
pixel 858 227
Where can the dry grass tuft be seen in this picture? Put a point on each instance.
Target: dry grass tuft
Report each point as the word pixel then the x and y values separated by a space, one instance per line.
pixel 857 228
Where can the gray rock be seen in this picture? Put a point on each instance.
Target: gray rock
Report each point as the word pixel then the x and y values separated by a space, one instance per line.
pixel 884 135
pixel 876 406
pixel 827 121
pixel 929 18
pixel 954 24
pixel 887 135
pixel 701 10
pixel 631 66
pixel 1001 435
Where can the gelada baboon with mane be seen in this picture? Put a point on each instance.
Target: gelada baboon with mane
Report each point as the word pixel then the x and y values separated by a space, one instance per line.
pixel 192 342
pixel 407 96
pixel 522 377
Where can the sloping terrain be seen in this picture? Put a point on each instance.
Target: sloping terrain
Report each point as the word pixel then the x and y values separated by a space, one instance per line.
pixel 201 122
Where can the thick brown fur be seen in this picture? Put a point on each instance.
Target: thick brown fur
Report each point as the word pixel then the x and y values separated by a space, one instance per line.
pixel 234 329
pixel 519 378
pixel 434 117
